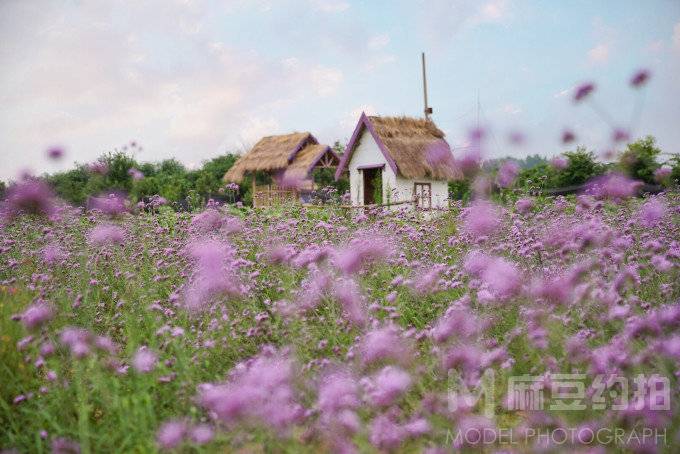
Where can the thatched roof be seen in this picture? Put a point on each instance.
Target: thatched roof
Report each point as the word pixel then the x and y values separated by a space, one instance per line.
pixel 270 154
pixel 413 147
pixel 295 153
pixel 306 159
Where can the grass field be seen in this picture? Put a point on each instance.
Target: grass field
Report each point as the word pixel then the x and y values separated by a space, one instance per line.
pixel 294 330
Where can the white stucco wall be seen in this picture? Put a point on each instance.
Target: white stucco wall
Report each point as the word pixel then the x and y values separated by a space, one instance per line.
pixel 439 189
pixel 367 153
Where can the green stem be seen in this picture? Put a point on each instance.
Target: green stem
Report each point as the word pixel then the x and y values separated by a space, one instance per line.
pixel 83 411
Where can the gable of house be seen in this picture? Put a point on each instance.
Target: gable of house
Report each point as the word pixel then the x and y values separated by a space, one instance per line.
pixel 414 148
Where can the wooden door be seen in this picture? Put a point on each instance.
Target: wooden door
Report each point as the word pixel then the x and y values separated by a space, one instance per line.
pixel 369 185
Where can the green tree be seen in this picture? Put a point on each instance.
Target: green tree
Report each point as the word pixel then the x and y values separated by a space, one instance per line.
pixel 171 167
pixel 149 169
pixel 218 166
pixel 460 190
pixel 639 160
pixel 582 166
pixel 326 177
pixel 146 187
pixel 540 176
pixel 206 184
pixel 173 186
pixel 71 185
pixel 209 179
pixel 532 161
pixel 674 163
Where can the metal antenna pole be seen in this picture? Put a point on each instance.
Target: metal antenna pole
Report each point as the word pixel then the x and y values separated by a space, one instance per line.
pixel 427 110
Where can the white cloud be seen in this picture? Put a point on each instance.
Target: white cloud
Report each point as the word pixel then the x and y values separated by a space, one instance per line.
pixel 442 19
pixel 291 64
pixel 321 80
pixel 676 36
pixel 493 11
pixel 75 76
pixel 349 121
pixel 599 53
pixel 377 42
pixel 564 92
pixel 511 109
pixel 376 62
pixel 326 81
pixel 256 128
pixel 656 46
pixel 330 6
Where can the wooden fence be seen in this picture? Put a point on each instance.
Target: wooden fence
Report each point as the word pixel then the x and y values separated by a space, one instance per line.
pixel 272 197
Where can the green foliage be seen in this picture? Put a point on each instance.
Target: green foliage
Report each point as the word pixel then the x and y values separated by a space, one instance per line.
pixel 527 163
pixel 326 177
pixel 460 190
pixel 639 160
pixel 77 184
pixel 538 174
pixel 171 166
pixel 378 188
pixel 118 175
pixel 194 200
pixel 71 185
pixel 532 161
pixel 3 189
pixel 582 166
pixel 674 163
pixel 168 178
pixel 338 148
pixel 541 176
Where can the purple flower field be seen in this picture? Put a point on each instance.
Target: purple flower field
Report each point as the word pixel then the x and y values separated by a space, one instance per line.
pixel 322 330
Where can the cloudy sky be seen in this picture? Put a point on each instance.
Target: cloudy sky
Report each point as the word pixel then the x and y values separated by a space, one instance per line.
pixel 192 79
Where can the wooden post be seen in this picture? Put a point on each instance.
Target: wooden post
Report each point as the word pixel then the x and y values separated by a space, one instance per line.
pixel 254 198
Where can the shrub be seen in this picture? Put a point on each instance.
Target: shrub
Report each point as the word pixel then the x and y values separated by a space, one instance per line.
pixel 639 159
pixel 582 166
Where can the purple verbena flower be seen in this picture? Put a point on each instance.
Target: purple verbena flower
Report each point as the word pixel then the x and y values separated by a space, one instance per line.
pixel 105 234
pixel 37 315
pixel 171 434
pixel 507 174
pixel 640 78
pixel 583 90
pixel 144 360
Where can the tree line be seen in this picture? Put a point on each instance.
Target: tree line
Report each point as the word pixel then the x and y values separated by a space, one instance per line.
pixel 120 172
pixel 642 160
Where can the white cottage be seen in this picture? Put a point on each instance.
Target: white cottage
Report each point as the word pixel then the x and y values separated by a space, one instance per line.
pixel 398 159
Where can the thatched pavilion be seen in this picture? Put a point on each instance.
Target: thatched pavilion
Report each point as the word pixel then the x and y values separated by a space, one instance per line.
pixel 284 165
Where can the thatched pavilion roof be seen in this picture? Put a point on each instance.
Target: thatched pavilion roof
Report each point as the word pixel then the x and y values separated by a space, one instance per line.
pixel 307 158
pixel 297 152
pixel 413 147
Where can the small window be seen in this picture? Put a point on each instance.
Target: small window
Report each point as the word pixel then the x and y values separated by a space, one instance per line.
pixel 422 193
